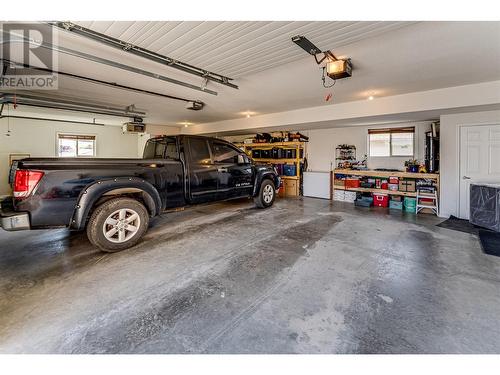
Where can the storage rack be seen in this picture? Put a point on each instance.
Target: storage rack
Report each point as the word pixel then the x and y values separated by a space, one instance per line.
pixel 345 153
pixel 381 174
pixel 292 184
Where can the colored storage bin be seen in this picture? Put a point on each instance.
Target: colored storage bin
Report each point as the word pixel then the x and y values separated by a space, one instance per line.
pixel 393 187
pixel 289 170
pixel 410 204
pixel 352 183
pixel 368 185
pixel 266 154
pixel 277 153
pixel 364 201
pixel 395 205
pixel 256 154
pixel 279 168
pixel 380 200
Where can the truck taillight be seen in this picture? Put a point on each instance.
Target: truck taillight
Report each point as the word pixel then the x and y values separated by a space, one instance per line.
pixel 25 181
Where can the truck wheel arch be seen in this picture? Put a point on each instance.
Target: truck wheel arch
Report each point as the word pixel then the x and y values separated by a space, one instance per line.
pixel 260 179
pixel 97 192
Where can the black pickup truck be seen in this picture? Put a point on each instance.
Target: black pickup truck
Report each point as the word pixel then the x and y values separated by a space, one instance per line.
pixel 113 199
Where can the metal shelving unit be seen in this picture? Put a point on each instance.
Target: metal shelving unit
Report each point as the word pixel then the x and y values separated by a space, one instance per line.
pixel 292 184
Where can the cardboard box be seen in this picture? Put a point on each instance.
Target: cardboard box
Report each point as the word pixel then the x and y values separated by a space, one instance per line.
pixel 407 185
pixel 291 188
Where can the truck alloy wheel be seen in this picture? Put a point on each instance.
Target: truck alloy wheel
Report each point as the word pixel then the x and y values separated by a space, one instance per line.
pixel 117 224
pixel 267 194
pixel 121 225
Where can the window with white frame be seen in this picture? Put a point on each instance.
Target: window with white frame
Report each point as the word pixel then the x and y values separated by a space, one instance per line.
pixel 391 142
pixel 76 145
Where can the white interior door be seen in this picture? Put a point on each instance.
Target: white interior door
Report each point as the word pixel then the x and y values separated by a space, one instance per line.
pixel 479 159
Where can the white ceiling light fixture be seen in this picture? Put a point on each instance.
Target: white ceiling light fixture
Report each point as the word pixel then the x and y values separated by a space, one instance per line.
pixel 185 123
pixel 248 114
pixel 371 97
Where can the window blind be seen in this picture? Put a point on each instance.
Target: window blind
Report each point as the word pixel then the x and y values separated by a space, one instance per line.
pixel 392 130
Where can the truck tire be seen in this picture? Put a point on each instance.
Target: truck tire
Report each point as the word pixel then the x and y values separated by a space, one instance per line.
pixel 117 224
pixel 267 194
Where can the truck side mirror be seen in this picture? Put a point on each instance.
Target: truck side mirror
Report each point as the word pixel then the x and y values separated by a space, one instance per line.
pixel 241 159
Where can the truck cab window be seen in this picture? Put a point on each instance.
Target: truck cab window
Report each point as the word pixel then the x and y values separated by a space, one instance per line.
pixel 224 153
pixel 198 151
pixel 159 148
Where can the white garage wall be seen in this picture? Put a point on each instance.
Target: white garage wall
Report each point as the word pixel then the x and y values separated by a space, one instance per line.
pixel 322 143
pixel 449 139
pixel 38 138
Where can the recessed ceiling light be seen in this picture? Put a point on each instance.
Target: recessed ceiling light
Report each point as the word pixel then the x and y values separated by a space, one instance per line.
pixel 248 114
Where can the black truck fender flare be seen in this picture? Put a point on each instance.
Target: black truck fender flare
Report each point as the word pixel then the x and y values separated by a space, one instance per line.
pixel 261 176
pixel 120 185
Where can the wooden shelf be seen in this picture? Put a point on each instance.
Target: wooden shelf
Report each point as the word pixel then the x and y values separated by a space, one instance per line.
pixel 271 145
pixel 277 161
pixel 372 173
pixel 291 184
pixel 379 191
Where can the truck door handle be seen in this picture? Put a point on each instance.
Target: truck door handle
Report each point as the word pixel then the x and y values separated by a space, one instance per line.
pixel 222 169
pixel 465 178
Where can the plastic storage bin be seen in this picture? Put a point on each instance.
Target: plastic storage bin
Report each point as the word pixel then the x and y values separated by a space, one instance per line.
pixel 380 200
pixel 352 183
pixel 289 170
pixel 344 196
pixel 410 205
pixel 395 205
pixel 364 201
pixel 485 205
pixel 350 196
pixel 266 154
pixel 255 154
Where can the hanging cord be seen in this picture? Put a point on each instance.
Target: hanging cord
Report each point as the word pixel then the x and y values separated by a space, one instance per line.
pixel 323 79
pixel 8 121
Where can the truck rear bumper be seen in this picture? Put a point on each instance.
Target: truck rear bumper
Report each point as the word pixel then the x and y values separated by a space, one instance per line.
pixel 12 220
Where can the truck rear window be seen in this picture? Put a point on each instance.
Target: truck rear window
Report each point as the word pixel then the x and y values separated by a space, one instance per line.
pixel 159 148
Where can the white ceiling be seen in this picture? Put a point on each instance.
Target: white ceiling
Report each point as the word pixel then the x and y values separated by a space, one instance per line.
pixel 274 74
pixel 238 49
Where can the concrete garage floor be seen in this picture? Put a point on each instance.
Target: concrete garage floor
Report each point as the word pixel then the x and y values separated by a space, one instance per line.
pixel 301 277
